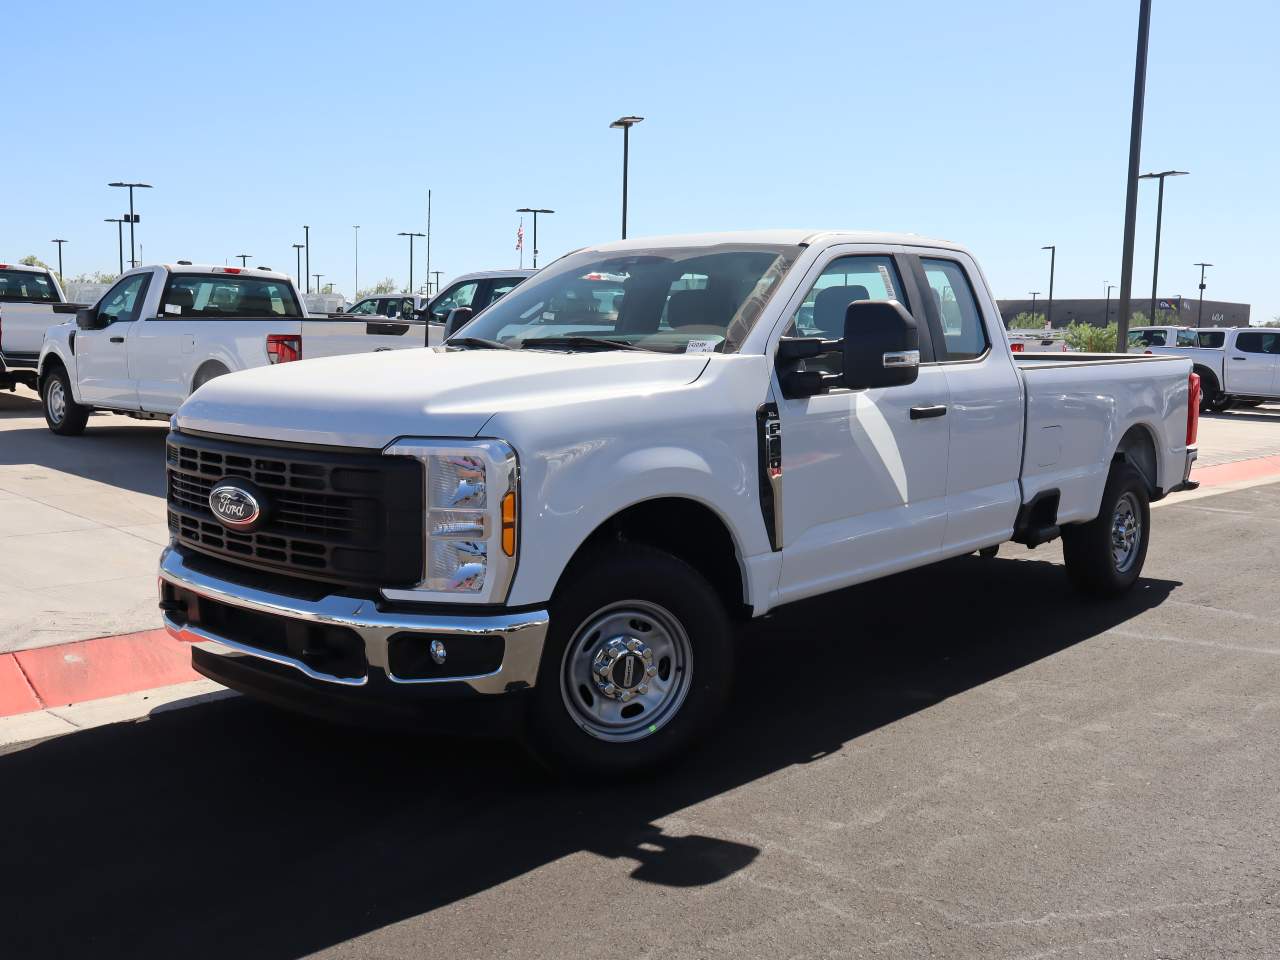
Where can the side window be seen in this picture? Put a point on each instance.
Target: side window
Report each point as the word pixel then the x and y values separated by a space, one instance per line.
pixel 844 281
pixel 1251 342
pixel 1214 338
pixel 124 300
pixel 1186 338
pixel 460 295
pixel 364 308
pixel 963 332
pixel 502 286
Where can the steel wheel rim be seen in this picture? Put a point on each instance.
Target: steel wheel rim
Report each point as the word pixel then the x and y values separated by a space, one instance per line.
pixel 606 716
pixel 1126 533
pixel 57 400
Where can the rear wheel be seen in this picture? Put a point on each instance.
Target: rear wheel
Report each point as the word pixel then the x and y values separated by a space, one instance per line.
pixel 637 663
pixel 64 416
pixel 1104 557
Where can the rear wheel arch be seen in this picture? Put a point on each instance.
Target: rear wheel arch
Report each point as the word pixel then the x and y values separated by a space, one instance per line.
pixel 1139 448
pixel 206 372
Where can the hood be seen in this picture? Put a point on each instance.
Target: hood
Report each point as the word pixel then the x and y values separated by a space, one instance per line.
pixel 368 400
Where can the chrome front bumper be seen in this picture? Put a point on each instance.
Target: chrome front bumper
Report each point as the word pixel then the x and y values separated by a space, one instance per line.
pixel 523 633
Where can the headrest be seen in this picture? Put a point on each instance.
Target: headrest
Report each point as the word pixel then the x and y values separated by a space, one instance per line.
pixel 180 297
pixel 687 308
pixel 830 305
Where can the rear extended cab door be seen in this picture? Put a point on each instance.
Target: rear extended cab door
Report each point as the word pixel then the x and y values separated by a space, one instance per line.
pixel 1251 367
pixel 985 413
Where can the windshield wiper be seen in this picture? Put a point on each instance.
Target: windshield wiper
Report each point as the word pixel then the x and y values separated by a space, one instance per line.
pixel 478 342
pixel 603 343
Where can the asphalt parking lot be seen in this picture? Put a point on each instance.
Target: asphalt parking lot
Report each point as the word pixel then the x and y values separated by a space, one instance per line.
pixel 964 761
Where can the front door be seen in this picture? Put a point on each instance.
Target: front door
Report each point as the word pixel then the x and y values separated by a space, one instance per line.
pixel 1251 364
pixel 102 357
pixel 864 471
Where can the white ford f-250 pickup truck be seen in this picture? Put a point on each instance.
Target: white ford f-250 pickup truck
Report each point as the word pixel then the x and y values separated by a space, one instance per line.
pixel 562 509
pixel 161 332
pixel 31 301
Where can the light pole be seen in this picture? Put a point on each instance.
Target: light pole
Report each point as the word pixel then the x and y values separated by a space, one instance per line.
pixel 306 238
pixel 1034 294
pixel 59 243
pixel 1155 268
pixel 624 124
pixel 535 211
pixel 1053 258
pixel 317 276
pixel 436 274
pixel 1106 315
pixel 410 234
pixel 133 217
pixel 1131 175
pixel 356 228
pixel 1200 313
pixel 244 258
pixel 119 222
pixel 297 249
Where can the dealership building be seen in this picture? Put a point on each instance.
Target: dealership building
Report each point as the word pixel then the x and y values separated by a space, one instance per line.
pixel 1099 312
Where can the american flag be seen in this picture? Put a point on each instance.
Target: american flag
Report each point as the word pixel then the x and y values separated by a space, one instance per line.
pixel 520 236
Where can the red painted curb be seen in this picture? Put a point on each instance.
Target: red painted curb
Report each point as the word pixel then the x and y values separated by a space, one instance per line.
pixel 16 695
pixel 1259 468
pixel 92 669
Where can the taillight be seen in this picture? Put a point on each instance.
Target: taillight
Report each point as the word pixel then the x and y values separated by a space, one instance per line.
pixel 1147 353
pixel 1016 347
pixel 284 347
pixel 1193 408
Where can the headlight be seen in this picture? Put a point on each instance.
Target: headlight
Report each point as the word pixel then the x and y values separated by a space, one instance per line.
pixel 471 519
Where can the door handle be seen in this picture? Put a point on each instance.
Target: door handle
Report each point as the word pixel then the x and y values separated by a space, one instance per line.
pixel 117 339
pixel 1237 358
pixel 928 413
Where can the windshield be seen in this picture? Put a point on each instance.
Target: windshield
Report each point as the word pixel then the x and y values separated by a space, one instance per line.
pixel 672 300
pixel 23 285
pixel 227 295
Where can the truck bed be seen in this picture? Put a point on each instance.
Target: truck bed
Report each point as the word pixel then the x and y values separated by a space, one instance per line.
pixel 1079 408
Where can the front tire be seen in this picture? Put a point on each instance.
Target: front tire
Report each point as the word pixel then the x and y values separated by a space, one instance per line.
pixel 1104 557
pixel 64 416
pixel 638 662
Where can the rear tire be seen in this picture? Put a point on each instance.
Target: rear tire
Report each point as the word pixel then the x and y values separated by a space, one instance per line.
pixel 1104 557
pixel 64 416
pixel 638 662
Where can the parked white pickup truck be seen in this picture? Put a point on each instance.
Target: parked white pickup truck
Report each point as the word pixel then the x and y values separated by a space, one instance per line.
pixel 31 301
pixel 161 332
pixel 1238 366
pixel 562 510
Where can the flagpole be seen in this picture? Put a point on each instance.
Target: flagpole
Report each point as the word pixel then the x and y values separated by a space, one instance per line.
pixel 520 245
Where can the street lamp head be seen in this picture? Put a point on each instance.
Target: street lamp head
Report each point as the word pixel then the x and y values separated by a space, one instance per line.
pixel 623 122
pixel 1051 246
pixel 404 233
pixel 1203 264
pixel 533 210
pixel 121 183
pixel 1162 174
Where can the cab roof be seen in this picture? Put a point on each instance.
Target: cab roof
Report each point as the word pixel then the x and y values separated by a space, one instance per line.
pixel 781 237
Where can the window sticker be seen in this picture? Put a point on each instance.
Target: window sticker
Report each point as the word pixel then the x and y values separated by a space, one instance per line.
pixel 888 283
pixel 171 308
pixel 701 346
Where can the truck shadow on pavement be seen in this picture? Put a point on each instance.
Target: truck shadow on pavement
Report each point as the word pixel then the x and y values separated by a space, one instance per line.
pixel 232 830
pixel 113 450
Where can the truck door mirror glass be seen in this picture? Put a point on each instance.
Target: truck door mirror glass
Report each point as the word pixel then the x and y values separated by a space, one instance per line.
pixel 87 319
pixel 881 345
pixel 458 318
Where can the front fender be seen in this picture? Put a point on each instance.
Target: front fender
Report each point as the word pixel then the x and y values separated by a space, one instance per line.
pixel 59 345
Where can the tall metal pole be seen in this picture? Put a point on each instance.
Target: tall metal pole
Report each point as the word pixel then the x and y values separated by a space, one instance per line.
pixel 1106 315
pixel 436 274
pixel 410 235
pixel 1155 267
pixel 59 243
pixel 428 241
pixel 307 242
pixel 297 249
pixel 1200 312
pixel 1131 182
pixel 626 158
pixel 133 259
pixel 244 258
pixel 317 276
pixel 356 287
pixel 1034 294
pixel 535 211
pixel 1053 258
pixel 119 222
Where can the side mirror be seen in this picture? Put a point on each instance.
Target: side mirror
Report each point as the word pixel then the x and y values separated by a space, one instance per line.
pixel 458 318
pixel 881 345
pixel 87 319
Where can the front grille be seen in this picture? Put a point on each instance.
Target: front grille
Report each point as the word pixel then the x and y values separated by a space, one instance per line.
pixel 350 518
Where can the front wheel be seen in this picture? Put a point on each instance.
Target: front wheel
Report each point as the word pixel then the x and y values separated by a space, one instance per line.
pixel 1104 557
pixel 64 416
pixel 638 662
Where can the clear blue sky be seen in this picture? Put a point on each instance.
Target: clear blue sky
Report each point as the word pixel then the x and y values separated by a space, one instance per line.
pixel 1002 125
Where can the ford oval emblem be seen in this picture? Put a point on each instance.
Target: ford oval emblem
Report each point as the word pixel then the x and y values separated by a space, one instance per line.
pixel 234 506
